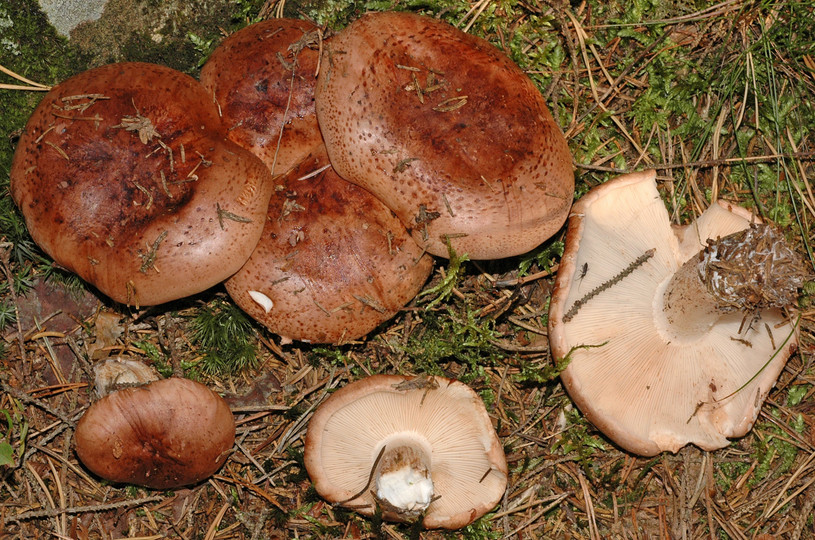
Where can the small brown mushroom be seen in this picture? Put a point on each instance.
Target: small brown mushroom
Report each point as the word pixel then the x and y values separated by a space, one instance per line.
pixel 124 175
pixel 262 78
pixel 163 435
pixel 447 131
pixel 673 335
pixel 420 447
pixel 333 262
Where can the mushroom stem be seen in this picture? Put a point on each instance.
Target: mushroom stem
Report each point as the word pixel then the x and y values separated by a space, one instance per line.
pixel 404 487
pixel 746 271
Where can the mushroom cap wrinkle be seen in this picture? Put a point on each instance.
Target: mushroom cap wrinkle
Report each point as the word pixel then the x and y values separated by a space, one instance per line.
pixel 447 131
pixel 124 175
pixel 262 77
pixel 442 419
pixel 166 434
pixel 647 385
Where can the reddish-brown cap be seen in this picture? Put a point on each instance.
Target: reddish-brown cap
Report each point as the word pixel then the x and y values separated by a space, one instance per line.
pixel 333 262
pixel 650 385
pixel 167 434
pixel 262 77
pixel 124 175
pixel 444 418
pixel 447 131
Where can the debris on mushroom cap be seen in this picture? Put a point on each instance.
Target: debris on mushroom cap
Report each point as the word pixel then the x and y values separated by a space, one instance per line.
pixel 262 78
pixel 447 131
pixel 124 175
pixel 378 424
pixel 333 262
pixel 656 361
pixel 167 434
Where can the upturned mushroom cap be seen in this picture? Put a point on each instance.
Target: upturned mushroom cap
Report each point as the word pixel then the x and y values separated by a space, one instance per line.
pixel 124 175
pixel 262 78
pixel 650 381
pixel 441 419
pixel 167 434
pixel 333 262
pixel 447 131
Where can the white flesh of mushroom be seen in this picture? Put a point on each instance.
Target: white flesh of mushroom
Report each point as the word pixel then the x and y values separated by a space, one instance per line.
pixel 262 300
pixel 408 489
pixel 402 475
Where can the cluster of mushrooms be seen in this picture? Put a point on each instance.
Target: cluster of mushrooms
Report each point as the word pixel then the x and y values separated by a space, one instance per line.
pixel 316 178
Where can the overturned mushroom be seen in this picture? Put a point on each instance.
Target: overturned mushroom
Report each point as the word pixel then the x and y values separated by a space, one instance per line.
pixel 262 78
pixel 124 175
pixel 414 448
pixel 673 335
pixel 447 131
pixel 163 434
pixel 332 263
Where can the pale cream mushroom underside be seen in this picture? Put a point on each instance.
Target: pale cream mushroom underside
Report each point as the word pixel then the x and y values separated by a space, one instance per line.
pixel 646 386
pixel 450 423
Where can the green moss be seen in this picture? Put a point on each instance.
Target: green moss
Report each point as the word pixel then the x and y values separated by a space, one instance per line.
pixel 180 54
pixel 452 337
pixel 444 288
pixel 542 258
pixel 580 442
pixel 773 452
pixel 225 335
pixel 481 529
pixel 729 472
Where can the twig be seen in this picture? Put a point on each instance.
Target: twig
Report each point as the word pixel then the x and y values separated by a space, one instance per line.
pixel 804 515
pixel 525 279
pixel 35 514
pixel 519 348
pixel 705 164
pixel 32 85
pixel 27 399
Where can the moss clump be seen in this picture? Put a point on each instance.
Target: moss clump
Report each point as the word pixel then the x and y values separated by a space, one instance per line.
pixel 226 337
pixel 30 47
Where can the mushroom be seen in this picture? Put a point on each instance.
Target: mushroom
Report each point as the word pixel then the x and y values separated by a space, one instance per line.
pixel 420 447
pixel 120 372
pixel 332 263
pixel 262 78
pixel 447 131
pixel 671 335
pixel 165 434
pixel 124 175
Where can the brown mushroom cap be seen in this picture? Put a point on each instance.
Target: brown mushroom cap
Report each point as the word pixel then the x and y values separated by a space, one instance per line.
pixel 124 175
pixel 262 78
pixel 441 419
pixel 333 262
pixel 167 434
pixel 655 371
pixel 447 131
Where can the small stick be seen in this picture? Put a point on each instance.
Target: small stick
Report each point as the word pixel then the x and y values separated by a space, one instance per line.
pixel 81 509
